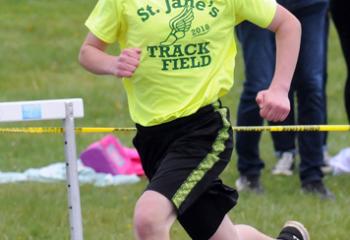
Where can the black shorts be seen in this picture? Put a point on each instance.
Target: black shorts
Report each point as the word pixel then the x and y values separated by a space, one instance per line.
pixel 183 159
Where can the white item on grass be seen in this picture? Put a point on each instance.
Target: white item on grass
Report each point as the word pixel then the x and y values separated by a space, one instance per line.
pixel 56 172
pixel 341 162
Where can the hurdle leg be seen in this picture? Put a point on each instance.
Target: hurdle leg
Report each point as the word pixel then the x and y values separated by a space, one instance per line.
pixel 74 208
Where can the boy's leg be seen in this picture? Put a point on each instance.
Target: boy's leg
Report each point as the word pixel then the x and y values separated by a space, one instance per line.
pixel 183 160
pixel 228 230
pixel 153 217
pixel 292 230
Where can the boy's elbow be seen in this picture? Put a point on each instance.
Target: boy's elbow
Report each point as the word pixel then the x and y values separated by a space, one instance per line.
pixel 285 21
pixel 82 56
pixel 296 24
pixel 291 25
pixel 296 29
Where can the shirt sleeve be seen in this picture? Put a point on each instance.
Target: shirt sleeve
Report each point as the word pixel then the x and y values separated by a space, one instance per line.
pixel 259 12
pixel 104 21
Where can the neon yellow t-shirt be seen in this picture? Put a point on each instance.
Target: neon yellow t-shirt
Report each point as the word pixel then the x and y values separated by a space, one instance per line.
pixel 188 50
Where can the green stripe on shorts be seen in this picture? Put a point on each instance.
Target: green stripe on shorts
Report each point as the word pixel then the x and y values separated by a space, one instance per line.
pixel 208 162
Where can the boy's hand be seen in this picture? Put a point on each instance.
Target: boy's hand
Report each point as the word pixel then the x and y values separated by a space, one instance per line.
pixel 126 63
pixel 274 104
pixel 94 58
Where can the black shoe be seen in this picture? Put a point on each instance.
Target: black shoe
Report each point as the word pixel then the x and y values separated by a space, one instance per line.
pixel 317 188
pixel 293 230
pixel 250 183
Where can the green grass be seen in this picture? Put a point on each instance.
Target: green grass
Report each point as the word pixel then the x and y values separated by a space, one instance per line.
pixel 40 42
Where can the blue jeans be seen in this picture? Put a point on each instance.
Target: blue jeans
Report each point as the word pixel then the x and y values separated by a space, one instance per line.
pixel 307 89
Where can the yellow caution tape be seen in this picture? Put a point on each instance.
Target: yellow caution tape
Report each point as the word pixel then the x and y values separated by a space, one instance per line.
pixel 295 128
pixel 290 128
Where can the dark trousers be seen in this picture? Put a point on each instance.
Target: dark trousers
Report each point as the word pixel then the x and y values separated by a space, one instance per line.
pixel 307 88
pixel 341 18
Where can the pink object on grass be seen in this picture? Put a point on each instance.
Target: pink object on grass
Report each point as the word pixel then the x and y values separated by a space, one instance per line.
pixel 108 155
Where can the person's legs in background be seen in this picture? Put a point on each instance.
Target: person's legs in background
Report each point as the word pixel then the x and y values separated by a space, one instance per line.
pixel 286 153
pixel 258 47
pixel 326 168
pixel 310 96
pixel 341 19
pixel 309 86
pixel 284 143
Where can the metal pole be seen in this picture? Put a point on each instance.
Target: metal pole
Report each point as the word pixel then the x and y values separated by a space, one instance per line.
pixel 74 208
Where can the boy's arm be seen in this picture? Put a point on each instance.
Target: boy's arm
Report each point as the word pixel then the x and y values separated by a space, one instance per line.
pixel 93 57
pixel 273 102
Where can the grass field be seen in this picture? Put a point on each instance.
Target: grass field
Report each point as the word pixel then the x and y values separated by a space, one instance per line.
pixel 40 42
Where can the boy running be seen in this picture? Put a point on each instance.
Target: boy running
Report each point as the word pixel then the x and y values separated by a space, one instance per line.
pixel 177 59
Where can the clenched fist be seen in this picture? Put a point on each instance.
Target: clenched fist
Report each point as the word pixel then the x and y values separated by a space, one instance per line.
pixel 274 104
pixel 127 62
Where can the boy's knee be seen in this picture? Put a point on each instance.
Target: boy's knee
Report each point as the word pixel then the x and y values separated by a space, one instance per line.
pixel 148 224
pixel 150 220
pixel 144 224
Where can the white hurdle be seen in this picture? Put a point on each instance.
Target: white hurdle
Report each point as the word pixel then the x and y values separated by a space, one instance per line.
pixel 58 109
